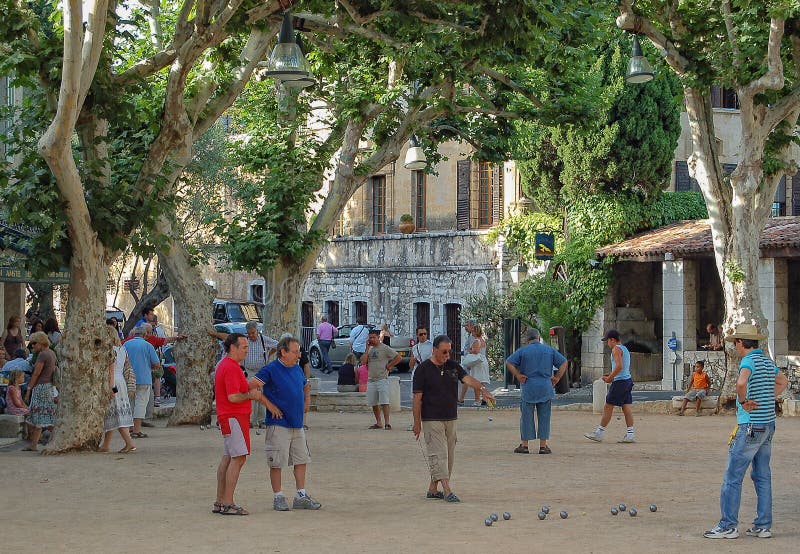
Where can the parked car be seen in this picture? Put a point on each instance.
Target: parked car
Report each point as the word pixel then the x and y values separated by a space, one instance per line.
pixel 400 343
pixel 237 311
pixel 117 314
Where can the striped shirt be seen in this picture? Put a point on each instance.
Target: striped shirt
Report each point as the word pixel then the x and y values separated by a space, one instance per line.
pixel 257 356
pixel 760 388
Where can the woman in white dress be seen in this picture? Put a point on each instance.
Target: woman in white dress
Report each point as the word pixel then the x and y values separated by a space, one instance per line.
pixel 119 415
pixel 480 371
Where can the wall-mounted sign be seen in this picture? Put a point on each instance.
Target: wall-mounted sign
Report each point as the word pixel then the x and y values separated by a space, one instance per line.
pixel 18 275
pixel 545 246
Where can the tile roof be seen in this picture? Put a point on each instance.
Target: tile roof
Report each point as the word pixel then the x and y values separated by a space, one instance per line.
pixel 685 238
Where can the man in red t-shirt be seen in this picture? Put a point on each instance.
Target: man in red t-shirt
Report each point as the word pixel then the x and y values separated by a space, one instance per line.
pixel 233 395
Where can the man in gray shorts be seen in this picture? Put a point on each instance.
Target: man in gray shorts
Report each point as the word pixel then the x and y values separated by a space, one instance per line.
pixel 287 396
pixel 380 359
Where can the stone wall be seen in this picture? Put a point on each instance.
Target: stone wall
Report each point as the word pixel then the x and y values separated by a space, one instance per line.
pixel 392 272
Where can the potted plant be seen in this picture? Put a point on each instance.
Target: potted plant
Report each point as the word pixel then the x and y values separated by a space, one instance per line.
pixel 407 224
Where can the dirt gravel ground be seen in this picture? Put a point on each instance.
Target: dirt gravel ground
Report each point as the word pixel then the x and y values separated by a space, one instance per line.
pixel 372 485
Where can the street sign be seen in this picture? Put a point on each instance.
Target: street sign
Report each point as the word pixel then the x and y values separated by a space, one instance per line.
pixel 672 343
pixel 17 275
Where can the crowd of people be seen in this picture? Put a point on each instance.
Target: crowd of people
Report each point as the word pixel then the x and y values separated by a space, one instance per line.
pixel 245 378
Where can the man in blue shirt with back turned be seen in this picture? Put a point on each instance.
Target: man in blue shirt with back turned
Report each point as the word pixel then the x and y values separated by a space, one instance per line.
pixel 287 394
pixel 758 384
pixel 533 366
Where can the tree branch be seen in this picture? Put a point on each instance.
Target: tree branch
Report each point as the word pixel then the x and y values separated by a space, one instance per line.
pixel 730 27
pixel 93 39
pixel 773 79
pixel 510 83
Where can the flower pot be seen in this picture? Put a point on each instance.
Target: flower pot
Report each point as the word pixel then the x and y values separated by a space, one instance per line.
pixel 407 227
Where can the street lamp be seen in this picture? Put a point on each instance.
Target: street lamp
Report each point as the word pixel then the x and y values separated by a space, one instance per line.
pixel 415 157
pixel 518 273
pixel 307 80
pixel 287 62
pixel 639 69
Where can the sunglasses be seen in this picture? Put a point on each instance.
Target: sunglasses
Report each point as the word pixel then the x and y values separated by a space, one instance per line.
pixel 422 334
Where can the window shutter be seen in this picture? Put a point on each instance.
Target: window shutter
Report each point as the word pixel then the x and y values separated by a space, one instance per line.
pixel 462 194
pixel 497 193
pixel 683 181
pixel 796 194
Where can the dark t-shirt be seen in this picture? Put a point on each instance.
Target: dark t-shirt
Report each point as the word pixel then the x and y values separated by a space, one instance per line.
pixel 347 375
pixel 439 388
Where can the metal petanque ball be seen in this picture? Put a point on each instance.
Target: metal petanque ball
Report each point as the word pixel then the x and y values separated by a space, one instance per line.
pixel 563 514
pixel 653 507
pixel 614 511
pixel 541 515
pixel 488 522
pixel 633 512
pixel 506 516
pixel 546 509
pixel 622 507
pixel 494 517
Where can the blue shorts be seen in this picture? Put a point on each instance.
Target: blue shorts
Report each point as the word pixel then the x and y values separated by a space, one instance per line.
pixel 620 393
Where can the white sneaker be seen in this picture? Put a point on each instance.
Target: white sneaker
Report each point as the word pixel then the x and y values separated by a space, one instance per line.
pixel 594 436
pixel 760 532
pixel 626 439
pixel 720 533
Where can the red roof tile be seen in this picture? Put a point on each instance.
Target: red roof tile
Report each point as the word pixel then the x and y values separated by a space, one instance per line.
pixel 694 237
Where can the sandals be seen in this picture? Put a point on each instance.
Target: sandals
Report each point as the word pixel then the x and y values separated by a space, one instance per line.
pixel 127 449
pixel 521 450
pixel 138 435
pixel 545 450
pixel 375 426
pixel 438 495
pixel 233 510
pixel 218 506
pixel 388 427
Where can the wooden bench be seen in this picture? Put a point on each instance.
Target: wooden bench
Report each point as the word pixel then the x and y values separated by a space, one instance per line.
pixel 709 403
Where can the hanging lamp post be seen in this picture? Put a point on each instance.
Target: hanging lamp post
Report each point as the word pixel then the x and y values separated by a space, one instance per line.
pixel 639 68
pixel 415 157
pixel 287 62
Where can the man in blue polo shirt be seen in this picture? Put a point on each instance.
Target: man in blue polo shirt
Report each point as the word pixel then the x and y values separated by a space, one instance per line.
pixel 144 360
pixel 758 384
pixel 533 366
pixel 288 395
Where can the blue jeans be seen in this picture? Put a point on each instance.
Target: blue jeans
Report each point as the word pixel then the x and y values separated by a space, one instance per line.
pixel 325 346
pixel 527 427
pixel 748 447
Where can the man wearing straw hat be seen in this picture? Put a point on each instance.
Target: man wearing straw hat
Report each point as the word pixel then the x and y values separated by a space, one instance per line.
pixel 758 384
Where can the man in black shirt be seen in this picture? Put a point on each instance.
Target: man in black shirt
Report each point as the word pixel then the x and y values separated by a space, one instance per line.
pixel 436 410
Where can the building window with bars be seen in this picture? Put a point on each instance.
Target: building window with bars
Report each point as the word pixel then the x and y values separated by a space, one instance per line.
pixel 420 215
pixel 378 205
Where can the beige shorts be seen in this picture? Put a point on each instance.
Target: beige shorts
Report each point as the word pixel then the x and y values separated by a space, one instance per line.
pixel 378 392
pixel 440 443
pixel 286 447
pixel 141 400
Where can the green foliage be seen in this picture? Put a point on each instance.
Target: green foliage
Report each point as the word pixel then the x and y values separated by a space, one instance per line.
pixel 627 146
pixel 519 231
pixel 280 175
pixel 406 218
pixel 571 290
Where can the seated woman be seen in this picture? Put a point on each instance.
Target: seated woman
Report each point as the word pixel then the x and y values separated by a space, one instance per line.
pixel 347 375
pixel 14 402
pixel 714 337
